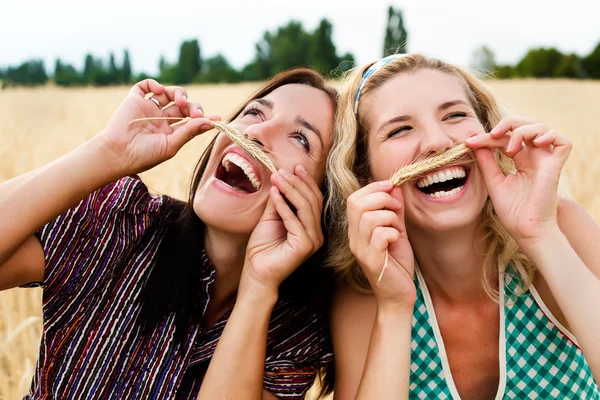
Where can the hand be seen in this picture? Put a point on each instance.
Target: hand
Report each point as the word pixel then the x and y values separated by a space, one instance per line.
pixel 141 145
pixel 282 240
pixel 526 201
pixel 376 223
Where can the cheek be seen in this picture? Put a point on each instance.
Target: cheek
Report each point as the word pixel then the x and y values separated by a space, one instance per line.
pixel 387 158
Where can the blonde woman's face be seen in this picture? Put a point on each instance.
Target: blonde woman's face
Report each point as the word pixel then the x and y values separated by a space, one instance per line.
pixel 416 115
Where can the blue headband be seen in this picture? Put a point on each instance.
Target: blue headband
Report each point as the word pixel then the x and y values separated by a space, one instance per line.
pixel 370 71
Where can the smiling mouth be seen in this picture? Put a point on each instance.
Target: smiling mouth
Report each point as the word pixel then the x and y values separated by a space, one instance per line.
pixel 238 173
pixel 445 182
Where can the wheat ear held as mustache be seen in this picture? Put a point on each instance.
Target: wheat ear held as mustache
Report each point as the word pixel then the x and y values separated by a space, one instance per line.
pixel 417 169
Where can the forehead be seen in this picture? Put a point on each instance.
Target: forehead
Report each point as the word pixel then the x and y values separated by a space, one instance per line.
pixel 312 104
pixel 408 93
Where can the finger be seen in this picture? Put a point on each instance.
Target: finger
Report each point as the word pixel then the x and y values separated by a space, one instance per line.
pixel 486 140
pixel 492 175
pixel 508 124
pixel 172 94
pixel 304 210
pixel 356 198
pixel 148 86
pixel 371 220
pixel 523 134
pixel 314 198
pixel 310 181
pixel 559 143
pixel 290 220
pixel 186 132
pixel 382 237
pixel 372 202
pixel 193 110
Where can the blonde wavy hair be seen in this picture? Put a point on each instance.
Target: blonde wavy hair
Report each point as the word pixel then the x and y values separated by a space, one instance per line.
pixel 348 166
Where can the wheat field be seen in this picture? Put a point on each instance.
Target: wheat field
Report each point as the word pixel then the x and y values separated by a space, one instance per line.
pixel 39 125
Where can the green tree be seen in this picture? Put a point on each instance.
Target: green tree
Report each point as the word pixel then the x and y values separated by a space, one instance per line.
pixel 65 74
pixel 539 63
pixel 113 72
pixel 323 56
pixel 569 67
pixel 218 70
pixel 126 70
pixel 29 73
pixel 190 62
pixel 89 69
pixel 591 63
pixel 396 36
pixel 167 73
pixel 504 71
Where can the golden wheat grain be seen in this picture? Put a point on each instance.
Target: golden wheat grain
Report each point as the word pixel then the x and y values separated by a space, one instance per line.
pixel 416 169
pixel 256 152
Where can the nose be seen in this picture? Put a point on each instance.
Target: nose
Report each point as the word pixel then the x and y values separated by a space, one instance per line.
pixel 435 140
pixel 261 134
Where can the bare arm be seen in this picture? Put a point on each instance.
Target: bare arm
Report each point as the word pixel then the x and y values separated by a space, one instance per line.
pixel 237 366
pixel 371 346
pixel 121 149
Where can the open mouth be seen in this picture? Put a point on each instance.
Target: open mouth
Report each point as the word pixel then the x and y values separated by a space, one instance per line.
pixel 238 173
pixel 445 182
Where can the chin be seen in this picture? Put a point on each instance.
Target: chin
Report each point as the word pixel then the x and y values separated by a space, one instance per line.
pixel 233 192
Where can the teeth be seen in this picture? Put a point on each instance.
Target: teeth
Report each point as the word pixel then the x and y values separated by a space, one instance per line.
pixel 442 176
pixel 244 166
pixel 446 194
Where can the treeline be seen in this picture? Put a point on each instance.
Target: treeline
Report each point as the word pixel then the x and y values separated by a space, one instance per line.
pixel 541 63
pixel 286 47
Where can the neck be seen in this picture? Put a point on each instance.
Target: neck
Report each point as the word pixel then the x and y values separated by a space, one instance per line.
pixel 451 262
pixel 227 253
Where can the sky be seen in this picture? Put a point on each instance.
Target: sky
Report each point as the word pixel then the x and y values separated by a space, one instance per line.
pixel 449 29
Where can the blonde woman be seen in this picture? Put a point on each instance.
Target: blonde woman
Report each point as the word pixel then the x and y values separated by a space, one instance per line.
pixel 487 293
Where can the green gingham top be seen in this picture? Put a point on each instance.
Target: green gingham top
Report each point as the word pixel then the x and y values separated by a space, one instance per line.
pixel 538 357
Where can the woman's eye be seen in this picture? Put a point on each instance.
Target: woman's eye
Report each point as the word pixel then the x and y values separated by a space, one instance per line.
pixel 398 131
pixel 255 112
pixel 458 114
pixel 301 138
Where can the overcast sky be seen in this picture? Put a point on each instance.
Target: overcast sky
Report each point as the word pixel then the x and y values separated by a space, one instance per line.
pixel 448 29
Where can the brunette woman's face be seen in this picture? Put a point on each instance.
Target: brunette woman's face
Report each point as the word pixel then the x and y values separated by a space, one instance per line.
pixel 295 124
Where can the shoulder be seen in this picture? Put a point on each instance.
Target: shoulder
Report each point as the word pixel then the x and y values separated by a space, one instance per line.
pixel 130 195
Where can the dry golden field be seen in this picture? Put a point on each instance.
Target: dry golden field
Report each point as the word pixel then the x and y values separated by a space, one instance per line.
pixel 39 125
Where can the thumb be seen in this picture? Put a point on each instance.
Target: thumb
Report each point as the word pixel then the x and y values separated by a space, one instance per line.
pixel 492 175
pixel 186 132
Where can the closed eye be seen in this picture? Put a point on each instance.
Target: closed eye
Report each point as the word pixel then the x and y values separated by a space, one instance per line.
pixel 457 114
pixel 400 130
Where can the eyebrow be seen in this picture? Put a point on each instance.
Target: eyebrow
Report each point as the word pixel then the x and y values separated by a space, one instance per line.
pixel 265 102
pixel 441 107
pixel 448 104
pixel 310 127
pixel 401 118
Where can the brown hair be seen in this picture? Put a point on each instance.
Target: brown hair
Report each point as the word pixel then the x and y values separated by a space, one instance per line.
pixel 172 286
pixel 348 165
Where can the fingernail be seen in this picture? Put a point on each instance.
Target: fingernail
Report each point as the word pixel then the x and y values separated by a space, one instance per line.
pixel 386 183
pixel 184 97
pixel 472 139
pixel 303 170
pixel 285 172
pixel 200 111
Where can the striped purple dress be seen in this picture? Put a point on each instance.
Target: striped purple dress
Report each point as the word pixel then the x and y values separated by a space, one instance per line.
pixel 97 259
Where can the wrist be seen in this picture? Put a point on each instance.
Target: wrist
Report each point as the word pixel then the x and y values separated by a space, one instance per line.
pixel 114 162
pixel 257 292
pixel 540 249
pixel 395 310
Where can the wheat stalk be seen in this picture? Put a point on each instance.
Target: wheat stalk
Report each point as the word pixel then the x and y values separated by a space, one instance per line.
pixel 418 168
pixel 256 152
